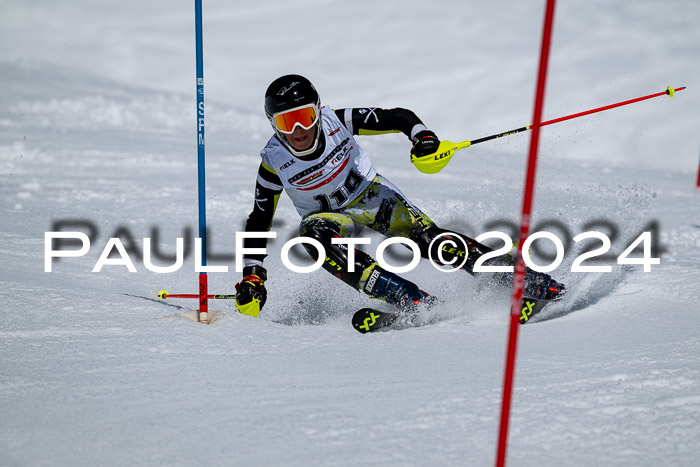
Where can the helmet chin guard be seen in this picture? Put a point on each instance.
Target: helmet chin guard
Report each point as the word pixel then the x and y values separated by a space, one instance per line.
pixel 304 152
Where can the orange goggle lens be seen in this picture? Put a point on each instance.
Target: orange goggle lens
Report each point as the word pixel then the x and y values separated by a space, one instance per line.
pixel 305 117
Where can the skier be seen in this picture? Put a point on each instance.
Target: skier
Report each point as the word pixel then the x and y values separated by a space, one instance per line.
pixel 314 157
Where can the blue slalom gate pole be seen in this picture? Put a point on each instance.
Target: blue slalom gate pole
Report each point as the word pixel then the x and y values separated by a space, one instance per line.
pixel 203 305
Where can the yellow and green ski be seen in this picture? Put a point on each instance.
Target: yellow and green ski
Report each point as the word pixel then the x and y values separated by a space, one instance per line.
pixel 371 320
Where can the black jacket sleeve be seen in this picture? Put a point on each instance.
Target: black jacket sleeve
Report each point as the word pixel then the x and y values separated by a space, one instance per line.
pixel 373 120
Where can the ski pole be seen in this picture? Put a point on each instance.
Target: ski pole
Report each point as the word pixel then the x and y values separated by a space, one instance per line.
pixel 435 162
pixel 164 294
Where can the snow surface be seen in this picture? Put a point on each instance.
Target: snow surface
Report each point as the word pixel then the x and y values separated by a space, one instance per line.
pixel 97 123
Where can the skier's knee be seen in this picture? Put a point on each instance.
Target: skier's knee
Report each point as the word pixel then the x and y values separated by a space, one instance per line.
pixel 324 227
pixel 321 229
pixel 454 248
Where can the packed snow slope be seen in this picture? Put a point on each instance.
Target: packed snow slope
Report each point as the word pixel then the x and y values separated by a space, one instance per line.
pixel 97 134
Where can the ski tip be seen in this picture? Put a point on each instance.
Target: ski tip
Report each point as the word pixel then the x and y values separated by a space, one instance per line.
pixel 364 319
pixel 370 320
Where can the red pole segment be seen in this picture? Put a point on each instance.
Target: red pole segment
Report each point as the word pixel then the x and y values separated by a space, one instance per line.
pixel 203 303
pixel 524 231
pixel 697 183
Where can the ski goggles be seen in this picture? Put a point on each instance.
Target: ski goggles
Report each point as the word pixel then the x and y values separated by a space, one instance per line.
pixel 305 116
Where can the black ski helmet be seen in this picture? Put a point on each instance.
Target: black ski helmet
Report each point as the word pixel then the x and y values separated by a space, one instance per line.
pixel 288 92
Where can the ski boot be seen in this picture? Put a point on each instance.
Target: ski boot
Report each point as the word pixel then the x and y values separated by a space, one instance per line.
pixel 403 294
pixel 541 286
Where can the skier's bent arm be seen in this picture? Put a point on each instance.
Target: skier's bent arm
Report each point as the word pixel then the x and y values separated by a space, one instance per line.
pixel 374 121
pixel 268 188
pixel 251 293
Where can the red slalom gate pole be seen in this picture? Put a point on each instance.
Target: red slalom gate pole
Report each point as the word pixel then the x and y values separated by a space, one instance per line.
pixel 697 183
pixel 524 231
